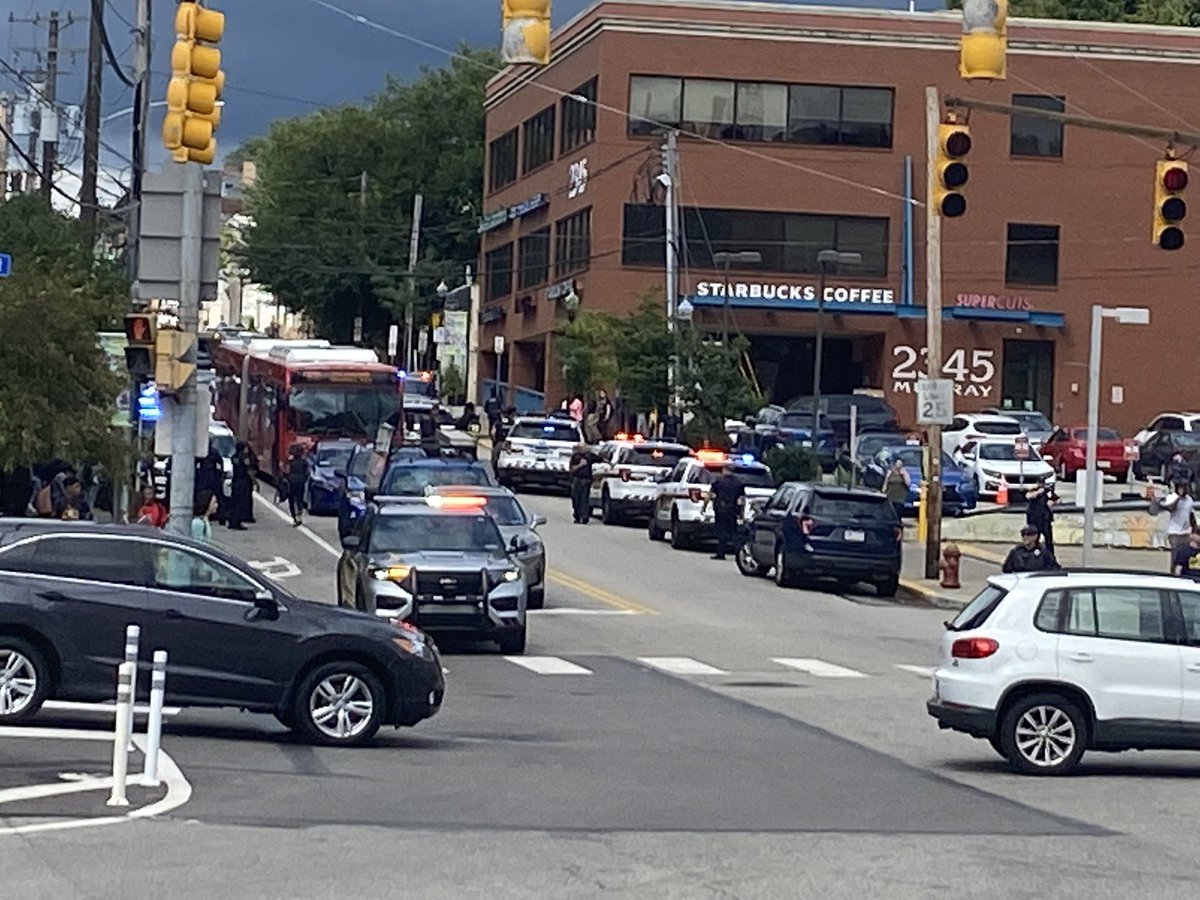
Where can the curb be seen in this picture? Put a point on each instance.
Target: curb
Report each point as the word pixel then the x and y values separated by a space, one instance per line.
pixel 931 596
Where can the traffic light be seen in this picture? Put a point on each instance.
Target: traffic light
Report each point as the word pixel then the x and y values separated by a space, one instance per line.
pixel 526 32
pixel 1170 180
pixel 139 329
pixel 171 371
pixel 950 172
pixel 983 47
pixel 193 112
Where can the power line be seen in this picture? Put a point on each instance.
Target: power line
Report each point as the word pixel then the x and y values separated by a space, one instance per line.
pixel 36 170
pixel 112 57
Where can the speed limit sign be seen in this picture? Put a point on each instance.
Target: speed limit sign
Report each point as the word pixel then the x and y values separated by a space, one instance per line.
pixel 935 401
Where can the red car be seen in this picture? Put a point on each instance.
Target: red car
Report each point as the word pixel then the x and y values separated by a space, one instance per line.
pixel 1066 450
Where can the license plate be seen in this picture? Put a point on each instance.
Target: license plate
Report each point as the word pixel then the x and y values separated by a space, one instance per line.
pixel 1104 464
pixel 854 536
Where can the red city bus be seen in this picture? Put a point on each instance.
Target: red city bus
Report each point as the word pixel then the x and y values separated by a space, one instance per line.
pixel 274 394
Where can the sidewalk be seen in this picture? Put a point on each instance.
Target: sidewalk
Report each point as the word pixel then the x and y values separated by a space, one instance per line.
pixel 980 561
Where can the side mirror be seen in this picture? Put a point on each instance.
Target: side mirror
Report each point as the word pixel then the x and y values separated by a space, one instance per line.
pixel 351 542
pixel 516 545
pixel 265 608
pixel 539 520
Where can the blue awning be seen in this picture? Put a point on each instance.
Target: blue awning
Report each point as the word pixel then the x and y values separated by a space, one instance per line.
pixel 900 310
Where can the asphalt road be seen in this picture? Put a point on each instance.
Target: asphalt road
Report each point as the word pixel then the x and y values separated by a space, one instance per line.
pixel 675 729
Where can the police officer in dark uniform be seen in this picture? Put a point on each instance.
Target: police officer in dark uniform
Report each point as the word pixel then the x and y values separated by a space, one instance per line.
pixel 1029 555
pixel 580 469
pixel 727 493
pixel 427 424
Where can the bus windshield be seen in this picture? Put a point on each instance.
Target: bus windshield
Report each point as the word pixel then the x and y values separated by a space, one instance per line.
pixel 342 410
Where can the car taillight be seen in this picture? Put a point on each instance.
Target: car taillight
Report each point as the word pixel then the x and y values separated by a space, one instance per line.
pixel 695 495
pixel 974 648
pixel 624 474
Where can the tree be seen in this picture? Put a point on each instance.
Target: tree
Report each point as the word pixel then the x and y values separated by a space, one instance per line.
pixel 587 350
pixel 1154 12
pixel 331 206
pixel 715 387
pixel 643 351
pixel 58 390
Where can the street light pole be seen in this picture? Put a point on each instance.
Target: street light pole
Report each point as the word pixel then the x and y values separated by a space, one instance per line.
pixel 725 260
pixel 826 259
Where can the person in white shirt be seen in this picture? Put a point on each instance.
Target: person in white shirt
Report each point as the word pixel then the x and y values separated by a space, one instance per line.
pixel 1182 517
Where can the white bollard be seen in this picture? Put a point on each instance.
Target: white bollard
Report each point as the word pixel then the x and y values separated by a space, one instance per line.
pixel 158 687
pixel 120 764
pixel 132 635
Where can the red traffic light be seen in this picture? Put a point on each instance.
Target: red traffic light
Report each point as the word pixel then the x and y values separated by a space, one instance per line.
pixel 139 329
pixel 958 143
pixel 1175 178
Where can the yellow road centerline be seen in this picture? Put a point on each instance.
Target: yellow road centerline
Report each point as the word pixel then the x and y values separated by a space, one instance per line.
pixel 597 593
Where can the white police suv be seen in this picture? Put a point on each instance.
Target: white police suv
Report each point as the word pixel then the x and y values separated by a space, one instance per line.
pixel 682 507
pixel 538 451
pixel 626 473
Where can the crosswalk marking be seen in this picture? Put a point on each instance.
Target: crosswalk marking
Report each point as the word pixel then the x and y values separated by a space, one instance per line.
pixel 923 671
pixel 680 665
pixel 819 668
pixel 548 665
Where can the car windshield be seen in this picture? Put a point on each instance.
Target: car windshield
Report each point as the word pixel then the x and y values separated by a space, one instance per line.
pixel 333 457
pixel 225 444
pixel 1186 438
pixel 749 476
pixel 423 533
pixel 360 462
pixel 654 456
pixel 342 410
pixel 848 506
pixel 1030 420
pixel 977 611
pixel 997 451
pixel 506 511
pixel 418 387
pixel 547 431
pixel 411 481
pixel 869 445
pixel 800 420
pixel 998 427
pixel 913 457
pixel 1102 434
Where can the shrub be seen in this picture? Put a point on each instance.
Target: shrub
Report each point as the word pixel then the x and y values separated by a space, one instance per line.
pixel 793 463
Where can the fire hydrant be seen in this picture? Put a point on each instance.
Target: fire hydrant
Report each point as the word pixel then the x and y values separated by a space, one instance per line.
pixel 951 558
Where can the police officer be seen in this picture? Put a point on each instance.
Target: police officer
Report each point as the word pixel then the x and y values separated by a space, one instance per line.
pixel 727 493
pixel 580 470
pixel 1029 555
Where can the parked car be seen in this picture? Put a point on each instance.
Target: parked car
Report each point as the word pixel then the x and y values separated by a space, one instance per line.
pixel 324 484
pixel 537 451
pixel 1169 421
pixel 1035 425
pixel 1066 451
pixel 234 638
pixel 993 462
pixel 871 413
pixel 979 427
pixel 798 428
pixel 959 491
pixel 1046 666
pixel 413 477
pixel 1154 456
pixel 821 531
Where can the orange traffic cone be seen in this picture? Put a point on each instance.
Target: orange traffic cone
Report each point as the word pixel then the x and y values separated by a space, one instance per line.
pixel 1002 493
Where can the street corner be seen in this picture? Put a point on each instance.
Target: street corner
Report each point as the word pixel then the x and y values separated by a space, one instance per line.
pixel 55 779
pixel 931 593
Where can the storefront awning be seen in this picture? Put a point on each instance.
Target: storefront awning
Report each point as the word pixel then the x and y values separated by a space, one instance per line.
pixel 1037 318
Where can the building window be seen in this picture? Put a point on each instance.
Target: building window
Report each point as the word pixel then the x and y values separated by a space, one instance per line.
pixel 533 255
pixel 788 242
pixel 502 161
pixel 1032 257
pixel 499 264
pixel 708 107
pixel 1037 137
pixel 846 116
pixel 579 117
pixel 573 243
pixel 762 112
pixel 654 103
pixel 537 140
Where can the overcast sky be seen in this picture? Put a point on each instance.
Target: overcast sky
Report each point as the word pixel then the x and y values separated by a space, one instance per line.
pixel 282 57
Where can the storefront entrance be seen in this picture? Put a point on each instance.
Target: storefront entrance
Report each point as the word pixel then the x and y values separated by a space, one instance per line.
pixel 784 365
pixel 1027 378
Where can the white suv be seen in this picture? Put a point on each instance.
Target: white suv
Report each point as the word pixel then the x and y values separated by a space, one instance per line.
pixel 1047 665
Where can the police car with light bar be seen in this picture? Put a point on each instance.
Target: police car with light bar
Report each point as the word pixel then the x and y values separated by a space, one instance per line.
pixel 538 451
pixel 682 507
pixel 626 474
pixel 439 562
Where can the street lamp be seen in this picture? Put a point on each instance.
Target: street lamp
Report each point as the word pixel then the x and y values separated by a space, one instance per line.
pixel 443 289
pixel 726 260
pixel 1123 315
pixel 685 311
pixel 826 260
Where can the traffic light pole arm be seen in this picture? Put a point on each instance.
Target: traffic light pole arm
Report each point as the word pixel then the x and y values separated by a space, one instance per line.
pixel 1147 131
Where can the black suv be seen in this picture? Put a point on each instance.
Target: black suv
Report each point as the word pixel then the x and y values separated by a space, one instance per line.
pixel 68 591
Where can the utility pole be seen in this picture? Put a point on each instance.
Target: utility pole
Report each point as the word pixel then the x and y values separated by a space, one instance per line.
pixel 933 338
pixel 414 243
pixel 5 120
pixel 50 136
pixel 141 113
pixel 91 121
pixel 670 173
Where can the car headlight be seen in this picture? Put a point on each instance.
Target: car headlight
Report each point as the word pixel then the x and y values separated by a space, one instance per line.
pixel 389 573
pixel 505 575
pixel 512 574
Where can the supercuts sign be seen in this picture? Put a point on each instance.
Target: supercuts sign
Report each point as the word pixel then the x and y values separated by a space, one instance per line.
pixel 802 293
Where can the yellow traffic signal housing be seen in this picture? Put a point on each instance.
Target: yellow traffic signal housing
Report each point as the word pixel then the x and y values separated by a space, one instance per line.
pixel 983 47
pixel 171 372
pixel 1170 180
pixel 197 83
pixel 139 329
pixel 950 171
pixel 526 32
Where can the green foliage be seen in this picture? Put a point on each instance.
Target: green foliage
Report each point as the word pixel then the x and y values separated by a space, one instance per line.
pixel 699 433
pixel 57 389
pixel 642 351
pixel 587 351
pixel 714 387
pixel 1153 12
pixel 334 248
pixel 452 385
pixel 793 463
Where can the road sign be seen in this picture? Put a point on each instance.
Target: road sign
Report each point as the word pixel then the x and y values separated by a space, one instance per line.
pixel 1021 447
pixel 498 344
pixel 5 265
pixel 393 340
pixel 935 401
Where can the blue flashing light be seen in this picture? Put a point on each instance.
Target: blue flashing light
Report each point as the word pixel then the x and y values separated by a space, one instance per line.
pixel 748 457
pixel 548 429
pixel 149 409
pixel 401 375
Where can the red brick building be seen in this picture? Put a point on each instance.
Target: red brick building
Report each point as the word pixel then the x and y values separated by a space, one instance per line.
pixel 797 127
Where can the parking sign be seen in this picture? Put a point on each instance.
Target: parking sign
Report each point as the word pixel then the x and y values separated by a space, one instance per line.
pixel 1021 447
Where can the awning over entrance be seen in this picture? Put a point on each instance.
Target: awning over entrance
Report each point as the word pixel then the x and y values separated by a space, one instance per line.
pixel 1038 318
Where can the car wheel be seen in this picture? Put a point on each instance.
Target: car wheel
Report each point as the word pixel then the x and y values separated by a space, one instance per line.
pixel 537 597
pixel 1043 734
pixel 652 530
pixel 607 515
pixel 746 563
pixel 339 704
pixel 24 679
pixel 678 540
pixel 512 644
pixel 783 577
pixel 888 587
